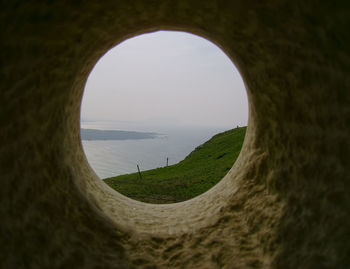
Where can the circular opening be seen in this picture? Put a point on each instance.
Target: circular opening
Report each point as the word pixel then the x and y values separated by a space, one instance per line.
pixel 151 106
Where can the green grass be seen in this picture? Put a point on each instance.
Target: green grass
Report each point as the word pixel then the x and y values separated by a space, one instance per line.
pixel 198 172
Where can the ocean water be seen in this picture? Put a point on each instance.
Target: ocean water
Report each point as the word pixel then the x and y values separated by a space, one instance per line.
pixel 110 158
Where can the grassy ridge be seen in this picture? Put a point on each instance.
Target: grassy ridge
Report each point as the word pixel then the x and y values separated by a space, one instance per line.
pixel 198 172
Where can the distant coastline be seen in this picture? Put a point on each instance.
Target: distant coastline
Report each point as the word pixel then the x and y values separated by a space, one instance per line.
pixel 94 134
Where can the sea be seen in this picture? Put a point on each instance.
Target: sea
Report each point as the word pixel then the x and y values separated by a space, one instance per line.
pixel 110 158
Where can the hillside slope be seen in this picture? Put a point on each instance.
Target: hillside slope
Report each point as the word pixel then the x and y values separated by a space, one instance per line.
pixel 198 172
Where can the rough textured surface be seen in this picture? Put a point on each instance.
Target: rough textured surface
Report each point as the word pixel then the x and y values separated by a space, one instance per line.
pixel 284 204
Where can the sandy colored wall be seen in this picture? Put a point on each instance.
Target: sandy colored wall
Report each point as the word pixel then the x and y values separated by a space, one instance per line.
pixel 284 204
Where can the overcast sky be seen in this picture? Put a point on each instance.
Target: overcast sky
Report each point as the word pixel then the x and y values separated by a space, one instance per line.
pixel 166 78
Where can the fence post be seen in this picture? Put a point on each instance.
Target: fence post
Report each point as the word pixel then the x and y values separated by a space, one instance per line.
pixel 138 169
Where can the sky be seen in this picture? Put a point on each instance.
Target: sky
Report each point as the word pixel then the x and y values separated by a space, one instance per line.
pixel 166 78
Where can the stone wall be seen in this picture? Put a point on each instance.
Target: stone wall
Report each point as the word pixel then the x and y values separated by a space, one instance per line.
pixel 284 204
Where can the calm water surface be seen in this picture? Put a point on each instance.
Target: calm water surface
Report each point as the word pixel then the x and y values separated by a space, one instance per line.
pixel 115 157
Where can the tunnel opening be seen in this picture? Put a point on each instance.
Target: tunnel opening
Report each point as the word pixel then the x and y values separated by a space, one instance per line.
pixel 160 97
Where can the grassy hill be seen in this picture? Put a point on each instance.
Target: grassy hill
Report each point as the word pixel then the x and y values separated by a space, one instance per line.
pixel 198 172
